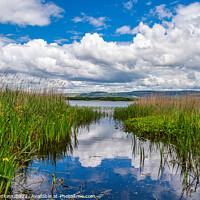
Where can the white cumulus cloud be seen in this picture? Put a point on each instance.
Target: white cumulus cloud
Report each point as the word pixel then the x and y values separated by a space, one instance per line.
pixel 97 22
pixel 129 5
pixel 28 12
pixel 165 56
pixel 127 30
pixel 163 12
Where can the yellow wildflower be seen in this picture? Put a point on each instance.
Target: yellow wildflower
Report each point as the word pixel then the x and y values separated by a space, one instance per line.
pixel 53 123
pixel 5 159
pixel 18 107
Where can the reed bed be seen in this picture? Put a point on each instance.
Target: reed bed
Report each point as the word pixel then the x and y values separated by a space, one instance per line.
pixel 34 122
pixel 170 120
pixel 176 123
pixel 157 106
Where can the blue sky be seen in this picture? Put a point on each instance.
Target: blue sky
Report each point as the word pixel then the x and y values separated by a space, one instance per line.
pixel 116 13
pixel 104 45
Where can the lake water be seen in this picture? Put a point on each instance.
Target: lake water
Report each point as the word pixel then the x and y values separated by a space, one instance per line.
pixel 107 104
pixel 105 162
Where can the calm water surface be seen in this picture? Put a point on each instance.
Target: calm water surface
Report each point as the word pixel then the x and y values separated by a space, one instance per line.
pixel 106 162
pixel 108 104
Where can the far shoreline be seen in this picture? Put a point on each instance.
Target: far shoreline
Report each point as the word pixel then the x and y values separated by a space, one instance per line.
pixel 99 99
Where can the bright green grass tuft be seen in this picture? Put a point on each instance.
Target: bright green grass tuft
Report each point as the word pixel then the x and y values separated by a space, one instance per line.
pixel 175 121
pixel 34 122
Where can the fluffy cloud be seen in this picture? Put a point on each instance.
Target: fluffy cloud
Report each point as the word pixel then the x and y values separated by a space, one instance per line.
pixel 61 41
pixel 163 12
pixel 188 19
pixel 5 40
pixel 31 12
pixel 160 57
pixel 148 3
pixel 127 30
pixel 97 22
pixel 129 5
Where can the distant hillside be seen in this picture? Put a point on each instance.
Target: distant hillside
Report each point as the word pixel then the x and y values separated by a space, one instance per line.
pixel 137 94
pixel 100 98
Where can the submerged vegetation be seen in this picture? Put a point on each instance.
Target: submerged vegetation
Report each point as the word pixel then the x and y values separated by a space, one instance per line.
pixel 31 123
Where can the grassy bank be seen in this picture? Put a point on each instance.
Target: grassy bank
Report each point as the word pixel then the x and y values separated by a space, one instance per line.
pixel 100 98
pixel 173 121
pixel 30 123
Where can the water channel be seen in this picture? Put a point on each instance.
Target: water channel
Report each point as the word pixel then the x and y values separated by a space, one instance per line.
pixel 105 162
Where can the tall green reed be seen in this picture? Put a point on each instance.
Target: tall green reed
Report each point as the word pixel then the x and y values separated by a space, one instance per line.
pixel 31 121
pixel 170 120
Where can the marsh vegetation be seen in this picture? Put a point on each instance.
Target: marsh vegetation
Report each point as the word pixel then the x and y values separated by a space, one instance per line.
pixel 35 122
pixel 43 126
pixel 172 121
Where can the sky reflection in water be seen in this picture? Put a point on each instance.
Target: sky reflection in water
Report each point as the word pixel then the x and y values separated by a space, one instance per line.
pixel 106 158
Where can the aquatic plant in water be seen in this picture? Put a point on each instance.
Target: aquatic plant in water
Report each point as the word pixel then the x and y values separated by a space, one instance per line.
pixel 33 122
pixel 171 121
